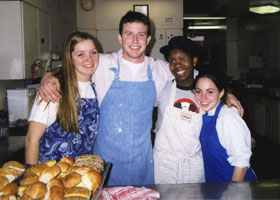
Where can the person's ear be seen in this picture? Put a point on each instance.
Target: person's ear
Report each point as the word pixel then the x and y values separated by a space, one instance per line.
pixel 149 39
pixel 195 60
pixel 120 38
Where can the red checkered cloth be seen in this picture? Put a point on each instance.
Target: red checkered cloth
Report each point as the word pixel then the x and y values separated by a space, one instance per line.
pixel 129 193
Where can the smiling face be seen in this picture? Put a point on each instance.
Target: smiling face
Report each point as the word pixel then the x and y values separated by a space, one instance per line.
pixel 207 94
pixel 181 66
pixel 85 59
pixel 134 41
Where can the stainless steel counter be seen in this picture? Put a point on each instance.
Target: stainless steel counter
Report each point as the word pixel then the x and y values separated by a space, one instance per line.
pixel 234 190
pixel 10 146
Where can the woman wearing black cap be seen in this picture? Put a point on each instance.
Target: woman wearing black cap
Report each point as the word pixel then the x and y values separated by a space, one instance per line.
pixel 177 152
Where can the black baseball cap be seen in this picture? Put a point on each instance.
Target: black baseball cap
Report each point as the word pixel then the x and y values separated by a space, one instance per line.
pixel 182 43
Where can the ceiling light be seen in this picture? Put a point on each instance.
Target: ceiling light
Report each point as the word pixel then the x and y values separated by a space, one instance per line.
pixel 265 9
pixel 195 18
pixel 206 27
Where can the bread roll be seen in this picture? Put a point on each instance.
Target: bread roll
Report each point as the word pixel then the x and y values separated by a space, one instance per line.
pixel 21 190
pixel 92 179
pixel 37 169
pixel 89 160
pixel 36 191
pixel 75 198
pixel 14 165
pixel 9 189
pixel 10 197
pixel 48 173
pixel 72 179
pixel 67 160
pixel 77 191
pixel 64 166
pixel 80 170
pixel 62 175
pixel 10 174
pixel 50 163
pixel 56 193
pixel 29 179
pixel 55 182
pixel 3 182
pixel 89 157
pixel 24 197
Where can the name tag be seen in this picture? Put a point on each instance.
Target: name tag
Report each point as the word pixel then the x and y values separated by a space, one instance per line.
pixel 186 116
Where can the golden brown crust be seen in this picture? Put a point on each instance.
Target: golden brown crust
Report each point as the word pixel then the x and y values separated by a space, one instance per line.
pixel 80 170
pixel 72 179
pixel 24 197
pixel 8 171
pixel 3 182
pixel 8 197
pixel 77 191
pixel 64 166
pixel 9 189
pixel 36 191
pixel 67 160
pixel 50 163
pixel 29 179
pixel 62 175
pixel 75 198
pixel 37 169
pixel 92 179
pixel 14 165
pixel 56 193
pixel 48 173
pixel 55 182
pixel 21 190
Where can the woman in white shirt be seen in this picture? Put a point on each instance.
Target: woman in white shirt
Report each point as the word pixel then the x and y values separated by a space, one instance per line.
pixel 67 128
pixel 225 138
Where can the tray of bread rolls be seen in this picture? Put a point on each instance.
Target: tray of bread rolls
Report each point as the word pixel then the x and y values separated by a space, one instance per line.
pixel 67 179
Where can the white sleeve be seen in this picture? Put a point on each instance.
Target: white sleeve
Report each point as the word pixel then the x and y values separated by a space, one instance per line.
pixel 235 137
pixel 43 113
pixel 161 74
pixel 103 77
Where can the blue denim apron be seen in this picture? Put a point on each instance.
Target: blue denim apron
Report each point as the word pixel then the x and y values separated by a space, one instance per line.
pixel 57 143
pixel 124 136
pixel 216 166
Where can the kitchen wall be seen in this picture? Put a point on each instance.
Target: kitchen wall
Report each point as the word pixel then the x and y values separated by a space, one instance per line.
pixel 103 21
pixel 60 15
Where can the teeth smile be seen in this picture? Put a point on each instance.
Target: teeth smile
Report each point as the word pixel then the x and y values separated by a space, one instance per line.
pixel 135 47
pixel 181 72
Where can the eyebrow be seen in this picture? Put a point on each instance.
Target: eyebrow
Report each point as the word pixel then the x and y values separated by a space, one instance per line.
pixel 83 51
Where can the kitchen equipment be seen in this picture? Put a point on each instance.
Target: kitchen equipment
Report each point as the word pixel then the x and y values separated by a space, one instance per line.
pixel 19 103
pixel 4 132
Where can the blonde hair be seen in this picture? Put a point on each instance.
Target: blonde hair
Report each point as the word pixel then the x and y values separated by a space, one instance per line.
pixel 68 111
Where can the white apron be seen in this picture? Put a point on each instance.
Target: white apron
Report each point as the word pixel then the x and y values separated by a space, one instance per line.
pixel 177 151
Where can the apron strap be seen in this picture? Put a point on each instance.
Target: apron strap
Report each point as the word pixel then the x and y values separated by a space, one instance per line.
pixel 92 86
pixel 149 73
